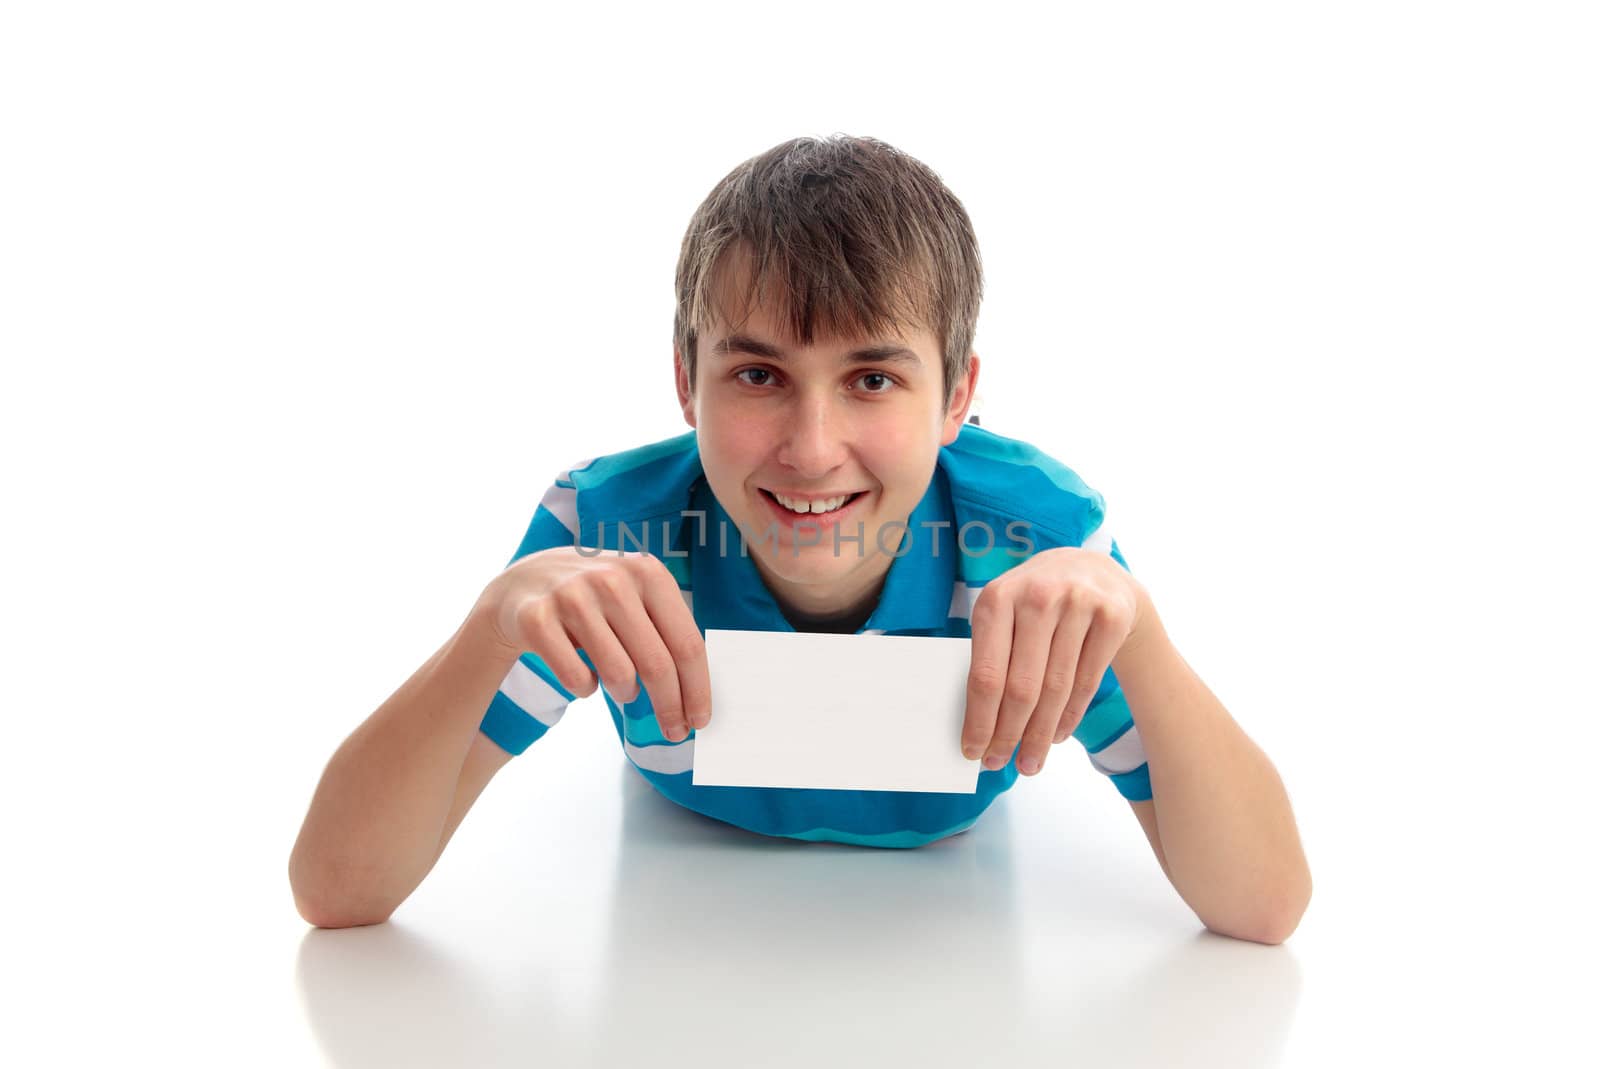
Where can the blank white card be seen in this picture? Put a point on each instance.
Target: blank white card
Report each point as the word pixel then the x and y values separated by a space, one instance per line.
pixel 839 712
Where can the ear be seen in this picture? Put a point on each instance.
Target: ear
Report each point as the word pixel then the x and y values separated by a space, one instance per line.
pixel 685 396
pixel 960 401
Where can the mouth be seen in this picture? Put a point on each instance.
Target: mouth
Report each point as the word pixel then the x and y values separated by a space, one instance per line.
pixel 787 517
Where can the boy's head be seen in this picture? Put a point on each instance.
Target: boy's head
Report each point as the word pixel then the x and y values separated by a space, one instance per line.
pixel 798 260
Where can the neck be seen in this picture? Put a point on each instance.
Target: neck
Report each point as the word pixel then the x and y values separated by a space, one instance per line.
pixel 808 609
pixel 842 624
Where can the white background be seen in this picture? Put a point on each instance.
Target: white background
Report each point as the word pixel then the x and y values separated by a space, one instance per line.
pixel 302 305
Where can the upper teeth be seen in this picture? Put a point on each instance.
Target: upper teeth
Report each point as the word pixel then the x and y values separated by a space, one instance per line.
pixel 827 504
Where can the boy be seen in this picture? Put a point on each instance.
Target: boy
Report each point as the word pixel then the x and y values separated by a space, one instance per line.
pixel 827 298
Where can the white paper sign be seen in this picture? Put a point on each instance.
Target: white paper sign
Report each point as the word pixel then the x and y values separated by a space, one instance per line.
pixel 839 712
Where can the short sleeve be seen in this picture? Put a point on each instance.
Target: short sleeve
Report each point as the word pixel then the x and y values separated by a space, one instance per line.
pixel 1107 730
pixel 531 700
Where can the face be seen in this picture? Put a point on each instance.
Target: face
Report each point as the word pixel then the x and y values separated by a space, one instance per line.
pixel 855 418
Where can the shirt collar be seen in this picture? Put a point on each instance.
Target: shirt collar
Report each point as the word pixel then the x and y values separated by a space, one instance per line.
pixel 729 593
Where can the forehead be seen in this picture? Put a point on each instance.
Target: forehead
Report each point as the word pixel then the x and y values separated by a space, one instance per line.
pixel 768 310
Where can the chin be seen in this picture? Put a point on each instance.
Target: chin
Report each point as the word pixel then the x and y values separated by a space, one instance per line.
pixel 815 564
pixel 809 565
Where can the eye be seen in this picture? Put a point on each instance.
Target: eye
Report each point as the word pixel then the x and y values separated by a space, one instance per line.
pixel 753 371
pixel 877 381
pixel 886 380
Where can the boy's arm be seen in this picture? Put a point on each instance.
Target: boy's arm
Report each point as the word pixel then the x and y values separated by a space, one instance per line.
pixel 1146 812
pixel 394 791
pixel 1219 818
pixel 484 759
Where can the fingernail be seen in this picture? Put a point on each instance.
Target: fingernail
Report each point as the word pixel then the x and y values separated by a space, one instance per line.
pixel 993 762
pixel 1028 765
pixel 971 753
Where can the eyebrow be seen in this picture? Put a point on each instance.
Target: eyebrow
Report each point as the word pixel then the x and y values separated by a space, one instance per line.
pixel 872 354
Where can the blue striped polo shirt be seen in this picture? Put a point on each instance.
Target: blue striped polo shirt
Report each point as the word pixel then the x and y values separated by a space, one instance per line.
pixel 656 497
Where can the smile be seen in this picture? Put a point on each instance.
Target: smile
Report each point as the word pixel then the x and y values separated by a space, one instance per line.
pixel 843 505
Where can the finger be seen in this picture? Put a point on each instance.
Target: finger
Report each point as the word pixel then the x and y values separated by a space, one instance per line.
pixel 1035 614
pixel 1100 647
pixel 623 603
pixel 673 620
pixel 584 619
pixel 986 676
pixel 1066 649
pixel 542 634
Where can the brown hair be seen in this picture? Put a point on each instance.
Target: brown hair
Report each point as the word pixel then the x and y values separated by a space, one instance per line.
pixel 848 236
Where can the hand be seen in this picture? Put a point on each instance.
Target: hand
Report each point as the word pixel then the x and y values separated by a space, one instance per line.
pixel 625 611
pixel 1043 635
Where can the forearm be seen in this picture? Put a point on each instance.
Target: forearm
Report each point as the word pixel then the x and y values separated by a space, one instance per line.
pixel 373 828
pixel 1226 826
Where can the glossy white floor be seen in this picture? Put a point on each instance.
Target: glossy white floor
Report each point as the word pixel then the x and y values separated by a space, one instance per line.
pixel 580 919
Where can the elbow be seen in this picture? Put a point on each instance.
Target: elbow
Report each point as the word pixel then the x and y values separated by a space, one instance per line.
pixel 323 910
pixel 1279 922
pixel 319 916
pixel 335 921
pixel 1273 920
pixel 1268 931
pixel 1278 929
pixel 1295 908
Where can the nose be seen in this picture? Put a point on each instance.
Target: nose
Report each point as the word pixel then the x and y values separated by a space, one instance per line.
pixel 813 438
